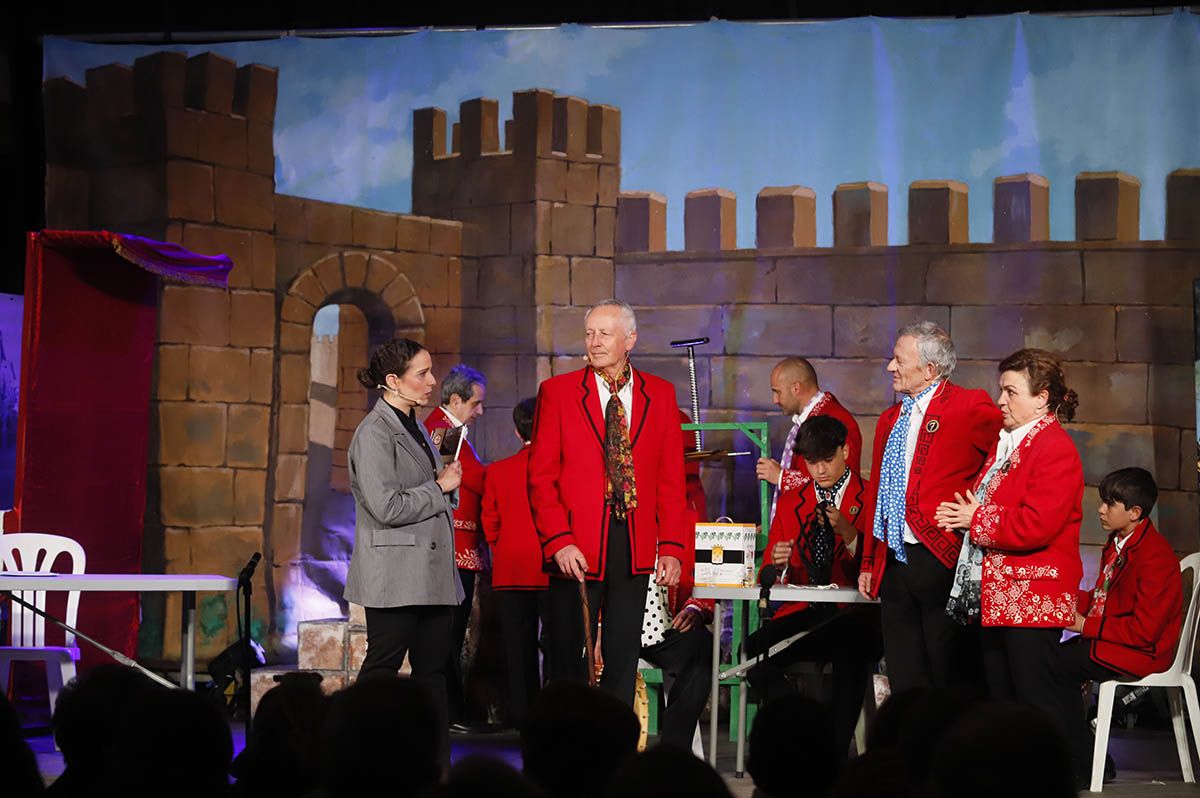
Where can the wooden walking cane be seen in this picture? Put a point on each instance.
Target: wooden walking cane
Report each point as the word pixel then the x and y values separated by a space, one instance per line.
pixel 587 635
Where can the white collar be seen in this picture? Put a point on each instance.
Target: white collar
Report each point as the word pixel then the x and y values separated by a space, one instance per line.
pixel 602 383
pixel 803 415
pixel 454 422
pixel 1013 439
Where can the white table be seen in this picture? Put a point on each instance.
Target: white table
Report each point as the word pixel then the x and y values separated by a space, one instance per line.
pixel 719 595
pixel 187 584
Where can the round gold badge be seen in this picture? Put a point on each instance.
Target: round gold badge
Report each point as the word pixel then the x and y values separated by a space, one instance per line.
pixel 932 426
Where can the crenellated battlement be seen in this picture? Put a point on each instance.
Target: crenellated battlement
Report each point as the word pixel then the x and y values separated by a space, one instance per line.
pixel 1107 208
pixel 544 125
pixel 166 105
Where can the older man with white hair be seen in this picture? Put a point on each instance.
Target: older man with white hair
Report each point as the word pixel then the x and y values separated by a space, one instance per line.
pixel 928 447
pixel 606 487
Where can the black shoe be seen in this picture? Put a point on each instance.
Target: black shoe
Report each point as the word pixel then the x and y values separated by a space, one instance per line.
pixel 460 728
pixel 1110 769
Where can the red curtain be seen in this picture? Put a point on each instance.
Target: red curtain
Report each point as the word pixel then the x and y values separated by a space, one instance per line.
pixel 90 325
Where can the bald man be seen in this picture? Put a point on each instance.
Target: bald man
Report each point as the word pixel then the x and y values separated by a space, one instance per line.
pixel 796 391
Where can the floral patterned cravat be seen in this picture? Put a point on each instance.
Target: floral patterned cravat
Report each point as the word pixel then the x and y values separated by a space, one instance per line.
pixel 619 490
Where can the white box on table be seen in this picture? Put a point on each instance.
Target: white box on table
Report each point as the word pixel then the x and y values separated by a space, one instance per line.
pixel 725 554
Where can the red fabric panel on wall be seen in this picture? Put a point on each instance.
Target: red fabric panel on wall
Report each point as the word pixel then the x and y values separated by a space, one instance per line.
pixel 84 419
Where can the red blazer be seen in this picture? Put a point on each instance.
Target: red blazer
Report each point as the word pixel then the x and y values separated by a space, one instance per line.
pixel 1139 630
pixel 566 471
pixel 958 432
pixel 796 471
pixel 792 515
pixel 508 525
pixel 469 552
pixel 1028 524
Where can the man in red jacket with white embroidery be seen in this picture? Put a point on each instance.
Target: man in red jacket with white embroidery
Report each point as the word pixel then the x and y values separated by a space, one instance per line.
pixel 798 395
pixel 463 392
pixel 1129 622
pixel 927 448
pixel 606 487
pixel 518 582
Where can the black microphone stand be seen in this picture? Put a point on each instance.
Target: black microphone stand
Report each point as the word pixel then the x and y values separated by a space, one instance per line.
pixel 245 586
pixel 766 613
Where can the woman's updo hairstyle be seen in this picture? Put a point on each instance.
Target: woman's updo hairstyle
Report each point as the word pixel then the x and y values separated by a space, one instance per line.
pixel 1044 372
pixel 394 357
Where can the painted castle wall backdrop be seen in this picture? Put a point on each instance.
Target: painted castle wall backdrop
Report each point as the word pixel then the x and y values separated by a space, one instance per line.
pixel 518 226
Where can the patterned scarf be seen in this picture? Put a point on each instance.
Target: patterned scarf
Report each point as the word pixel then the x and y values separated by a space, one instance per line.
pixel 620 493
pixel 893 480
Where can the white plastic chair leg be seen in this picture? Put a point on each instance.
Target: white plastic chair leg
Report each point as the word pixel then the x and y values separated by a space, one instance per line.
pixel 1193 710
pixel 860 732
pixel 1175 700
pixel 1104 708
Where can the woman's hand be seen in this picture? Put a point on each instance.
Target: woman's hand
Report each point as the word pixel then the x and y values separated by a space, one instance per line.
pixel 958 513
pixel 1078 625
pixel 450 478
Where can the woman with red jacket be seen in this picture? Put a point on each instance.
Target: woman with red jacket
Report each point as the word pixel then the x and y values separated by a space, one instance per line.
pixel 1020 573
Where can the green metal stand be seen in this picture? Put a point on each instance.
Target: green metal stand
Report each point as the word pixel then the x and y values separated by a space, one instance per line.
pixel 756 431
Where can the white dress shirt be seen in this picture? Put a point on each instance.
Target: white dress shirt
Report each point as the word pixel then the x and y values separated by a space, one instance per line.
pixel 625 395
pixel 915 421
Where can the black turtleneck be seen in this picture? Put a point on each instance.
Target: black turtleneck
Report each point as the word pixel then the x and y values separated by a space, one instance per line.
pixel 409 420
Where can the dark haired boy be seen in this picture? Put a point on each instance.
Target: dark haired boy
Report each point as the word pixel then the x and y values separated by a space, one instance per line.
pixel 518 583
pixel 1129 622
pixel 816 539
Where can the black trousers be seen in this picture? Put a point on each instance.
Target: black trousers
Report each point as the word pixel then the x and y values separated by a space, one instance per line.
pixel 923 645
pixel 849 639
pixel 686 656
pixel 455 691
pixel 621 598
pixel 421 632
pixel 1031 666
pixel 519 612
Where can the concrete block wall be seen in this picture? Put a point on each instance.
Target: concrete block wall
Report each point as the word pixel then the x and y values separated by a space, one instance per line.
pixel 540 220
pixel 1118 311
pixel 391 275
pixel 180 149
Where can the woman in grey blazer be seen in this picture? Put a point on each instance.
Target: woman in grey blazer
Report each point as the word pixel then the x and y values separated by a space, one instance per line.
pixel 402 570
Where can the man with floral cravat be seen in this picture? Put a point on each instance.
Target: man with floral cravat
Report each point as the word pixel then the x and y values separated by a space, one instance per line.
pixel 606 487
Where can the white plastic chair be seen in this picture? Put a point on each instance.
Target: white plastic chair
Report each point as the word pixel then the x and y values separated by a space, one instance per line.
pixel 38 552
pixel 1179 675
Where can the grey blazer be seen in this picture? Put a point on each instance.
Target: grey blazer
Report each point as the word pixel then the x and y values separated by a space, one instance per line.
pixel 404 524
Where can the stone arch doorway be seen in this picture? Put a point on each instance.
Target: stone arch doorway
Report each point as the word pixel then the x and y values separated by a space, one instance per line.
pixel 318 405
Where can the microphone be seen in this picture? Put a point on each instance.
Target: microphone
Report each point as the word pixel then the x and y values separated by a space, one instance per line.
pixel 402 396
pixel 690 341
pixel 248 571
pixel 767 578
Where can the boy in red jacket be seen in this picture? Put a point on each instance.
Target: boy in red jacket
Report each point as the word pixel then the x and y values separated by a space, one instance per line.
pixel 518 583
pixel 1129 623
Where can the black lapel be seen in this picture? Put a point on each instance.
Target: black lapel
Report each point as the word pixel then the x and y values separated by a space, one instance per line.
pixel 641 422
pixel 586 386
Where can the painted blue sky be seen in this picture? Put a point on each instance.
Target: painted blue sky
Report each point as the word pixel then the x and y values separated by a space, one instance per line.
pixel 742 106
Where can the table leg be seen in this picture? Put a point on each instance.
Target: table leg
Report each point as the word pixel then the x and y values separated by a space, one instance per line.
pixel 715 695
pixel 187 642
pixel 740 765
